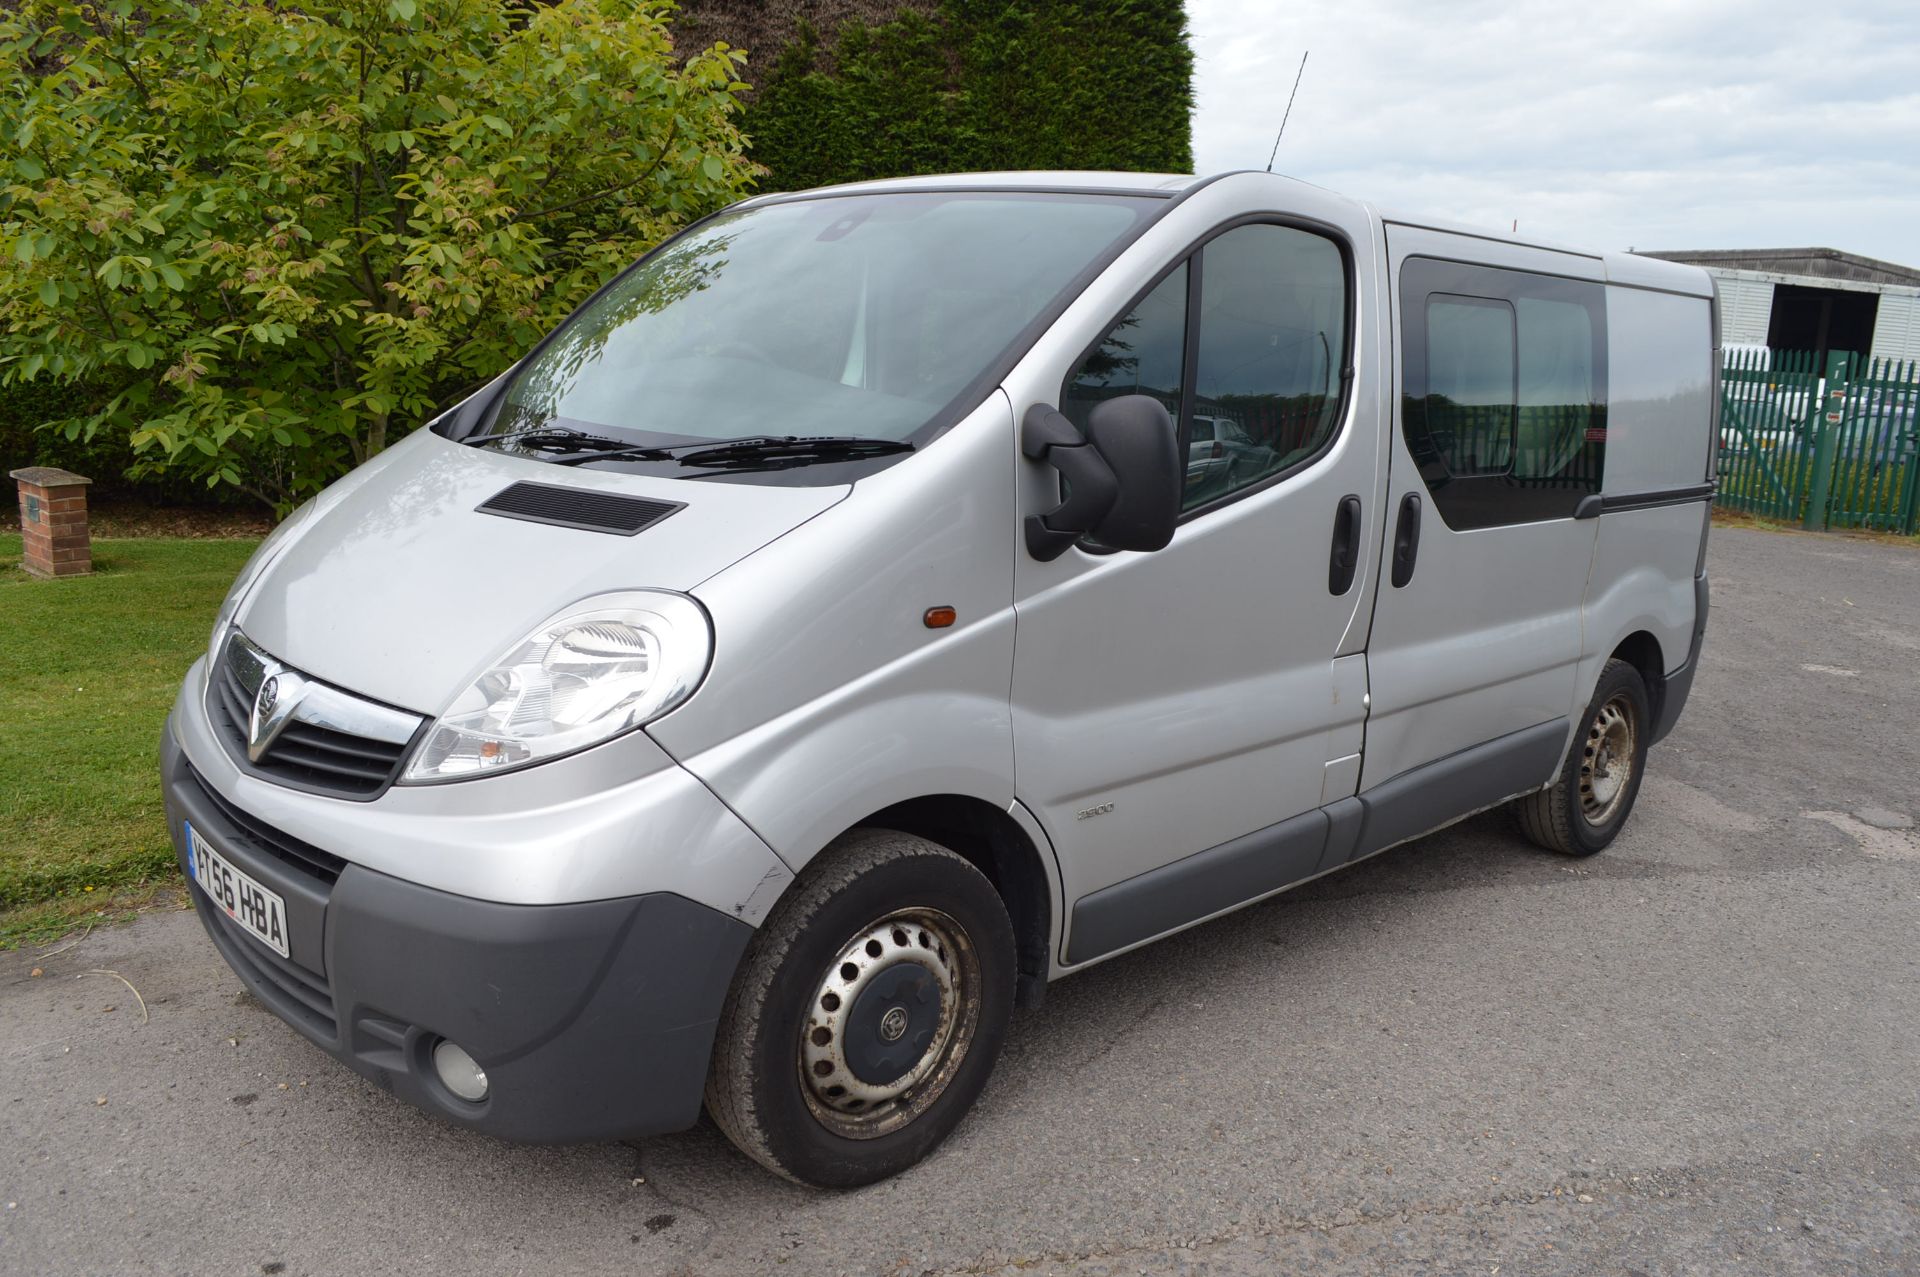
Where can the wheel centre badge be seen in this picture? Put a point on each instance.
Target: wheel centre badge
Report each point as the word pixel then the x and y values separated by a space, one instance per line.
pixel 893 1025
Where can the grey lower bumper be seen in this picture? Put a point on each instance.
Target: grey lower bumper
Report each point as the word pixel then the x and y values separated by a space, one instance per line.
pixel 592 1021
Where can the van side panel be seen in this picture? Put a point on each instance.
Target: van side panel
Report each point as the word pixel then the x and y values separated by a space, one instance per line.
pixel 1642 580
pixel 1660 392
pixel 1655 503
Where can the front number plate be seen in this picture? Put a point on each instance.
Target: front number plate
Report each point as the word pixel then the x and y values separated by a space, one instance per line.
pixel 260 913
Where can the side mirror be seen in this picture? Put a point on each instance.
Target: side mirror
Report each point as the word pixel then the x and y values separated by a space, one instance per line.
pixel 1123 477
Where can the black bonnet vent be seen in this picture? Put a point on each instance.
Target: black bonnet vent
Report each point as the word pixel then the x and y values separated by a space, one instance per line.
pixel 578 508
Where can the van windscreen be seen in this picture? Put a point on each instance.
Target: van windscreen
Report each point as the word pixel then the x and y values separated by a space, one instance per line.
pixel 872 316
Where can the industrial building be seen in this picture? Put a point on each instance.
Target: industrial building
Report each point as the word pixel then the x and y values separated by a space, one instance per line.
pixel 1817 299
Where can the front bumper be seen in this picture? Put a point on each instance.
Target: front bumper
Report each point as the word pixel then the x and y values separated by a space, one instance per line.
pixel 592 1020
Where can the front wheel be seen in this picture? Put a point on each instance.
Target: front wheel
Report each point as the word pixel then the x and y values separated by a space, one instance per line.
pixel 867 1013
pixel 1587 803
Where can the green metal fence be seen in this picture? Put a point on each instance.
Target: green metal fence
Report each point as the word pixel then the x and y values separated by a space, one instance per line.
pixel 1824 446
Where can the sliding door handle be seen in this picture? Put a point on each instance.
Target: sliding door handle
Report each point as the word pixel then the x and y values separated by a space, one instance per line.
pixel 1406 539
pixel 1346 546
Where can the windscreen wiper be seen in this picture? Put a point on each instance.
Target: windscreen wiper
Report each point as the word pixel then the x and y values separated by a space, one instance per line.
pixel 780 452
pixel 549 439
pixel 752 452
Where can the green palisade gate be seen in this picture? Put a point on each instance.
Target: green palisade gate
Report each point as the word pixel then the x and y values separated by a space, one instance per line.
pixel 1823 446
pixel 969 85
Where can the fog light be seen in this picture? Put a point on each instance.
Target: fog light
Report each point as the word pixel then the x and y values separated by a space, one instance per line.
pixel 459 1073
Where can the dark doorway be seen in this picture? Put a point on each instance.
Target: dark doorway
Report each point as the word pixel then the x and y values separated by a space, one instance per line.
pixel 1822 320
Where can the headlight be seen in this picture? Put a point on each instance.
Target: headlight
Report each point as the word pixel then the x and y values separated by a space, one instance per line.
pixel 602 667
pixel 269 549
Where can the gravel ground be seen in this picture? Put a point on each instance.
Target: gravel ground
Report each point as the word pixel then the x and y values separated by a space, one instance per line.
pixel 1695 1053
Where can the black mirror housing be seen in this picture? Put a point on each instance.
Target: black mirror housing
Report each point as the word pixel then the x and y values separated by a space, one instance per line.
pixel 1123 477
pixel 1134 434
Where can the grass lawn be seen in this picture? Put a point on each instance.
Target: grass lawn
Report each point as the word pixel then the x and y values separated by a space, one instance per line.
pixel 88 670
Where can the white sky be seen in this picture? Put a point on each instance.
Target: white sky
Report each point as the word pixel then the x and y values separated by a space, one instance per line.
pixel 1633 124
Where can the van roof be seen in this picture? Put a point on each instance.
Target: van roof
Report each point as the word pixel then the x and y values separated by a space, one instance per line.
pixel 1621 268
pixel 1160 184
pixel 1630 269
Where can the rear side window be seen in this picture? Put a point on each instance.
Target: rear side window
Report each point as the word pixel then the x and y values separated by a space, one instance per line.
pixel 1504 408
pixel 1559 399
pixel 1471 390
pixel 1261 314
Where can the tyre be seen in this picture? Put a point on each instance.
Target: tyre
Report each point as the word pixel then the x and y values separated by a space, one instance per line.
pixel 867 1013
pixel 1584 807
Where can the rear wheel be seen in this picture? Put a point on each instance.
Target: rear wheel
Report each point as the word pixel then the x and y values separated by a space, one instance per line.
pixel 1587 803
pixel 867 1014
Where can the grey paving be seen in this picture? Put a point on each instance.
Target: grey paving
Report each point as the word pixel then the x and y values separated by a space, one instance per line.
pixel 1697 1053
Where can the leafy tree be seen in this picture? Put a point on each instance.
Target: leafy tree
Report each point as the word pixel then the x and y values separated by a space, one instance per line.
pixel 270 238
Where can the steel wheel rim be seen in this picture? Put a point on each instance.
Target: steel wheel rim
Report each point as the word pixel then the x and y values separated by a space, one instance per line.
pixel 1606 760
pixel 838 1098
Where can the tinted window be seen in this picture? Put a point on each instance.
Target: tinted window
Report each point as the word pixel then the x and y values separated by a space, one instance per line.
pixel 1273 333
pixel 1557 392
pixel 1505 390
pixel 1470 384
pixel 1143 354
pixel 1263 391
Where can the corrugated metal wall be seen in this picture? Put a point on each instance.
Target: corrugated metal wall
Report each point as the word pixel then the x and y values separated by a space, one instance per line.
pixel 1746 305
pixel 1896 330
pixel 1746 302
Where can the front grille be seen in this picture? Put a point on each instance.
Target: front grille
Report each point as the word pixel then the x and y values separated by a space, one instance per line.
pixel 263 838
pixel 307 755
pixel 295 993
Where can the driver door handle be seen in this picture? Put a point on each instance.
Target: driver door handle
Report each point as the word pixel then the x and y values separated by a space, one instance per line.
pixel 1346 546
pixel 1406 539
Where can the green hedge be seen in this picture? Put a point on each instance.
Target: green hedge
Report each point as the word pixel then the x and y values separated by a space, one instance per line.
pixel 22 410
pixel 978 84
pixel 104 459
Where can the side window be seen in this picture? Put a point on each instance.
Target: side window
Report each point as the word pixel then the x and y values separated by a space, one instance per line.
pixel 1263 390
pixel 1143 354
pixel 1557 395
pixel 1504 405
pixel 1273 340
pixel 1470 384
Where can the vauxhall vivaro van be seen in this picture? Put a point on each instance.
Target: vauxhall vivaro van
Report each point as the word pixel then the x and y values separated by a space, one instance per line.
pixel 837 629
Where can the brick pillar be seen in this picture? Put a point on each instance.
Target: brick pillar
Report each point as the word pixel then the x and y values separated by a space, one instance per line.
pixel 53 522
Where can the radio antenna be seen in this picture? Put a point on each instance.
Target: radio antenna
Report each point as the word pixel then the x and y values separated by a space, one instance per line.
pixel 1283 119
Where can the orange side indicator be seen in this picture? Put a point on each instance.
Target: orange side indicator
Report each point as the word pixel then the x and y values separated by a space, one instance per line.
pixel 939 618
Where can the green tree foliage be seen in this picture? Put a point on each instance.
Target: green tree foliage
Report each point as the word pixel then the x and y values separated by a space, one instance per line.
pixel 978 85
pixel 269 239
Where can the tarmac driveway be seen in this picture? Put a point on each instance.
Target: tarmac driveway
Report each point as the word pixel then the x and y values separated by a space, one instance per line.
pixel 1697 1052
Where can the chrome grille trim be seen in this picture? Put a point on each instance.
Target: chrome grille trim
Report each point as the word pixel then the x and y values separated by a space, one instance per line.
pixel 318 738
pixel 322 705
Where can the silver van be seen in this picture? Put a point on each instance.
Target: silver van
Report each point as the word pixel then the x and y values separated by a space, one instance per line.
pixel 824 639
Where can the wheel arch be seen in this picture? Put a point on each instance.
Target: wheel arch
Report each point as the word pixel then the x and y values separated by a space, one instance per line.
pixel 994 843
pixel 1641 650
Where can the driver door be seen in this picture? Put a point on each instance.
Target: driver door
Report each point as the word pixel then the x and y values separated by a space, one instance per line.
pixel 1180 716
